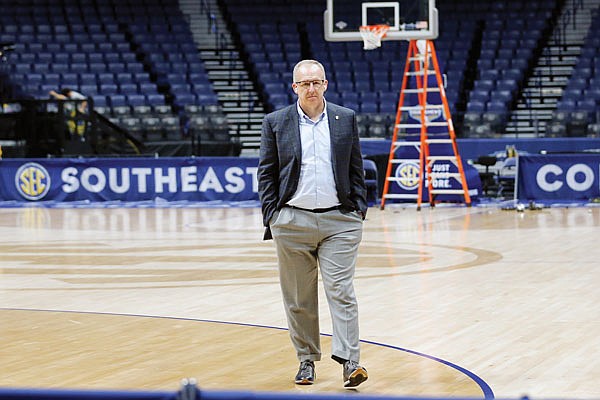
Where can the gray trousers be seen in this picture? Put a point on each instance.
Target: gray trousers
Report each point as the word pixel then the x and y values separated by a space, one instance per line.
pixel 306 241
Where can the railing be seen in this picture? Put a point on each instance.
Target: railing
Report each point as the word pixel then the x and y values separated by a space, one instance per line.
pixel 49 128
pixel 211 23
pixel 549 52
pixel 527 100
pixel 225 55
pixel 576 6
pixel 569 17
pixel 204 6
pixel 562 28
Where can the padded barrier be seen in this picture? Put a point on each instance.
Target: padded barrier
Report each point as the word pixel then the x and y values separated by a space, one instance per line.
pixel 63 394
pixel 186 393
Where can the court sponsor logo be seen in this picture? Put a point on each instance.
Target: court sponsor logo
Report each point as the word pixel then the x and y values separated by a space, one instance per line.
pixel 578 177
pixel 431 114
pixel 32 181
pixel 130 180
pixel 158 180
pixel 408 175
pixel 569 177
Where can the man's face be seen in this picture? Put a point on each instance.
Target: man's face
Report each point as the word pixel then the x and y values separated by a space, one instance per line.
pixel 310 85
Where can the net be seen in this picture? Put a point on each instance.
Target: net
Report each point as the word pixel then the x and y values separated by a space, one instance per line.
pixel 372 35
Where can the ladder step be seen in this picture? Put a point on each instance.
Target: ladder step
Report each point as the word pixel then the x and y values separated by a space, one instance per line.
pixel 407 143
pixel 438 158
pixel 429 89
pixel 420 73
pixel 439 141
pixel 403 160
pixel 400 196
pixel 447 191
pixel 394 179
pixel 419 125
pixel 445 175
pixel 418 108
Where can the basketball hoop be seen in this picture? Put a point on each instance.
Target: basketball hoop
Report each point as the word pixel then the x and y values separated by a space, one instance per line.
pixel 372 35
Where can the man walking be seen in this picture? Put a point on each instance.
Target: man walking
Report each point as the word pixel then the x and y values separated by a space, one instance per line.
pixel 313 196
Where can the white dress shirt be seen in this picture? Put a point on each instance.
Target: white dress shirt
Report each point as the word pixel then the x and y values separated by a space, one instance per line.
pixel 316 188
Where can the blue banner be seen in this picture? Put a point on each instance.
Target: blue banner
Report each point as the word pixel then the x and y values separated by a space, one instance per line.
pixel 129 179
pixel 559 177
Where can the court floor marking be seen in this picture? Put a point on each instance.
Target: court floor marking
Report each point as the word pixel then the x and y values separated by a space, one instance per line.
pixel 485 388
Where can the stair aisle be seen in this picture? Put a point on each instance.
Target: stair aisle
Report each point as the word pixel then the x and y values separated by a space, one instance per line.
pixel 237 94
pixel 551 74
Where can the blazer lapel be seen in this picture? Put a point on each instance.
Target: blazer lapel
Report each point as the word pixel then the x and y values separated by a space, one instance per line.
pixel 292 125
pixel 334 131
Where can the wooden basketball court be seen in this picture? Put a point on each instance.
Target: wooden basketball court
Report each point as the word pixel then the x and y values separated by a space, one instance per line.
pixel 454 301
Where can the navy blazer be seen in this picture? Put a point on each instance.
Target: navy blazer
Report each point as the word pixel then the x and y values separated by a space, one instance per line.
pixel 281 159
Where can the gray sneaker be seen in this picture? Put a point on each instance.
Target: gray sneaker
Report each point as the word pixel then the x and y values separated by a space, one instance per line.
pixel 306 373
pixel 354 375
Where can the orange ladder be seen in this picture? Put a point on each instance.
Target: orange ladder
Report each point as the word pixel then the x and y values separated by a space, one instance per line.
pixel 418 65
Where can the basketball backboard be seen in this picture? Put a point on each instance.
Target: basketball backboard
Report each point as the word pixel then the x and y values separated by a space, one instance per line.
pixel 408 19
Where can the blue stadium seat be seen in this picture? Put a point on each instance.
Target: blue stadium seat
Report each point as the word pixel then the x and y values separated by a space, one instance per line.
pixel 147 88
pixel 36 79
pixel 128 88
pixel 60 68
pixel 207 98
pixel 124 77
pixel 155 99
pixel 88 89
pixel 99 100
pixel 87 77
pixel 383 86
pixel 475 106
pixel 362 85
pixel 480 95
pixel 78 67
pixel 117 100
pixel 106 77
pixel 497 106
pixel 98 68
pixel 369 97
pixel 369 107
pixel 116 68
pixel 79 58
pixel 109 88
pixel 135 100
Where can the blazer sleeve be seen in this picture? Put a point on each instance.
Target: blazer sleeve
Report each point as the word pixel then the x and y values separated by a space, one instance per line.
pixel 268 171
pixel 357 172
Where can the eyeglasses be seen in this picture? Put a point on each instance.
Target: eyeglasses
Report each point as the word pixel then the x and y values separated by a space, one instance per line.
pixel 306 84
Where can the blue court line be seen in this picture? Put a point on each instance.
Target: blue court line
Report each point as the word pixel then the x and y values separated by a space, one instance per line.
pixel 485 388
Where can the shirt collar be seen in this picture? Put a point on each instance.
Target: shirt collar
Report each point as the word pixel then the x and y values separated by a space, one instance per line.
pixel 306 118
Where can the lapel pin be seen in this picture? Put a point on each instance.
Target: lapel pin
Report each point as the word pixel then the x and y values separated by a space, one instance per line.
pixel 337 117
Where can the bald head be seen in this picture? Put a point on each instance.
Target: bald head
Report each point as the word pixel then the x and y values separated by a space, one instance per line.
pixel 308 64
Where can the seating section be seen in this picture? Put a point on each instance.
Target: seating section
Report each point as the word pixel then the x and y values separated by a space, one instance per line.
pixel 272 49
pixel 485 50
pixel 511 33
pixel 577 112
pixel 296 32
pixel 135 58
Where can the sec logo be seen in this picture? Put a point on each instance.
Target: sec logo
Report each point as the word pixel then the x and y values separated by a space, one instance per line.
pixel 32 181
pixel 408 175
